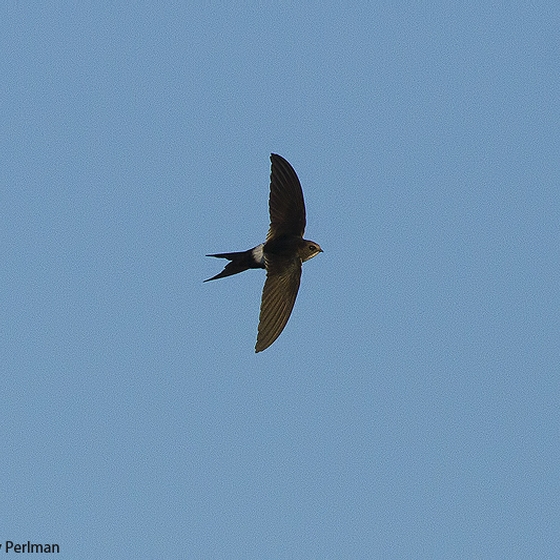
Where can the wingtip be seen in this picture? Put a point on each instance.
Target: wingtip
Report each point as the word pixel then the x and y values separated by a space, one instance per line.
pixel 274 156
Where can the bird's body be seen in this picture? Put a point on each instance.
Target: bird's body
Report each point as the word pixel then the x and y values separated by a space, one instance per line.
pixel 281 254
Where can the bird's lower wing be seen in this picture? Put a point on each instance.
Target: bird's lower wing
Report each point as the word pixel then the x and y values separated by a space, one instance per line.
pixel 278 298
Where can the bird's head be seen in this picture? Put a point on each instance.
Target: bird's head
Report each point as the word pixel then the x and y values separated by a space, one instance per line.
pixel 308 250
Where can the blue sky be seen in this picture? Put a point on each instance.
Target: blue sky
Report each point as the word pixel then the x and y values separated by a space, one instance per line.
pixel 410 409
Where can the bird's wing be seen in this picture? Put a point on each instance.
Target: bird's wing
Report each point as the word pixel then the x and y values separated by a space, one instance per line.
pixel 278 298
pixel 287 209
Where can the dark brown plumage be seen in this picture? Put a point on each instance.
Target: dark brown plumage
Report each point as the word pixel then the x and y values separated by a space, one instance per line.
pixel 282 253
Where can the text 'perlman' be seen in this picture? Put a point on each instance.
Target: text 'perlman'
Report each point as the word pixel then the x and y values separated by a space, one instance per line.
pixel 10 546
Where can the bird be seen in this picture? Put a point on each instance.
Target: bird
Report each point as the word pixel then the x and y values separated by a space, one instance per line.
pixel 281 255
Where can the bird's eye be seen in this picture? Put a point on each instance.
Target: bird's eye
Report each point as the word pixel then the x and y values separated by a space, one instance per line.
pixel 312 248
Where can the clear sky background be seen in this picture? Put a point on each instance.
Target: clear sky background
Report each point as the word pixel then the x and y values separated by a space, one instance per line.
pixel 410 409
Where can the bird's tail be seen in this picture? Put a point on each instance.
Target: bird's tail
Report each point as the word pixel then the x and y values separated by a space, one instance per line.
pixel 240 261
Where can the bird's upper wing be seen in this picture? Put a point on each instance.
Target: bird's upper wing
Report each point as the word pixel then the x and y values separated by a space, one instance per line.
pixel 278 298
pixel 287 210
